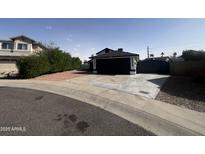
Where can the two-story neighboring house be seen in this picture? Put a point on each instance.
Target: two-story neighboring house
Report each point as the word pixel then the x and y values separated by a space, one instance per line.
pixel 14 47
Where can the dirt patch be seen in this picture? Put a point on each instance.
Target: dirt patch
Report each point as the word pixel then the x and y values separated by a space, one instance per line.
pixel 61 75
pixel 185 92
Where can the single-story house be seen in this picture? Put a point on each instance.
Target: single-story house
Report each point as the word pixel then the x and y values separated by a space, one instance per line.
pixel 108 61
pixel 11 49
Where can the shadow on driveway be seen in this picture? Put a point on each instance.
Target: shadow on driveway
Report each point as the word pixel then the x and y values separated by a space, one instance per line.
pixel 159 81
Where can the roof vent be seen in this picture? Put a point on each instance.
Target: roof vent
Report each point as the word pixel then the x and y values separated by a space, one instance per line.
pixel 120 49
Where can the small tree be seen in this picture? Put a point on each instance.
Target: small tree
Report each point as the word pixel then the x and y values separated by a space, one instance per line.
pixel 151 55
pixel 193 55
pixel 174 54
pixel 76 62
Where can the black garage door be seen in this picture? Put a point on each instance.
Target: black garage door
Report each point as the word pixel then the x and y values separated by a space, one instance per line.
pixel 113 66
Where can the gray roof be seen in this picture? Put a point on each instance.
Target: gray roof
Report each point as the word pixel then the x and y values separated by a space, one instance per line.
pixel 17 37
pixel 4 40
pixel 115 53
pixel 24 37
pixel 106 49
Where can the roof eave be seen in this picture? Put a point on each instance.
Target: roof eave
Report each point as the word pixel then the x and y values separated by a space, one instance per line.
pixel 22 36
pixel 114 56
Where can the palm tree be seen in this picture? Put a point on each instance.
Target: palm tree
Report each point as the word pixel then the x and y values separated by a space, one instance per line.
pixel 162 54
pixel 174 54
pixel 151 55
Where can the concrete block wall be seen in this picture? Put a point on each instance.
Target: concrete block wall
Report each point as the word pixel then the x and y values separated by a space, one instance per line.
pixel 187 67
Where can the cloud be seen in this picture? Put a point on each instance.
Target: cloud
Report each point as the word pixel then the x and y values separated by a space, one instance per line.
pixel 78 45
pixel 69 39
pixel 49 27
pixel 75 49
pixel 76 54
pixel 93 49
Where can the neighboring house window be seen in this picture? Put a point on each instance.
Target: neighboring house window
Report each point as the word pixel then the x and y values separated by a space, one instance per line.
pixel 6 46
pixel 22 46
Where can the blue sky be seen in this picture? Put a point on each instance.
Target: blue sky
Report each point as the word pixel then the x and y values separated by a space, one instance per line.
pixel 83 37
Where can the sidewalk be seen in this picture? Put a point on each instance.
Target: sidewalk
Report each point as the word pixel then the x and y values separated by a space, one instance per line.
pixel 158 117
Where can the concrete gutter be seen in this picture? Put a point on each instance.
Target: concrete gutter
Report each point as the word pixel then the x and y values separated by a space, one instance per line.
pixel 155 116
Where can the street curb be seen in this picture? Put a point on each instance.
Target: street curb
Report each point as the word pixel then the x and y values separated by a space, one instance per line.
pixel 149 121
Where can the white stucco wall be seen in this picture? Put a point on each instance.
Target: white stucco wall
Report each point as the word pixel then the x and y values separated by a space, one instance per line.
pixel 36 49
pixel 16 42
pixel 94 66
pixel 16 52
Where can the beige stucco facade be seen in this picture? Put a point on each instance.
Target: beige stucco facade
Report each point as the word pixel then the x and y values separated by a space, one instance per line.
pixel 31 48
pixel 8 52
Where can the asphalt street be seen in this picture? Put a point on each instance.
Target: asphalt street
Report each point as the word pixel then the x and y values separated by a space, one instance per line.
pixel 31 112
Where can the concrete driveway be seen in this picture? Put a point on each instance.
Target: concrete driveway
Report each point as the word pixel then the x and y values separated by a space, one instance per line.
pixel 147 85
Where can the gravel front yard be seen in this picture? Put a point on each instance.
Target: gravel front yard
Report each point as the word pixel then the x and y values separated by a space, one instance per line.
pixel 184 92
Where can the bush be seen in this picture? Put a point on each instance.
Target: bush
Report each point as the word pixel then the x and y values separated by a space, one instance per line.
pixel 32 66
pixel 76 62
pixel 58 60
pixel 193 55
pixel 48 61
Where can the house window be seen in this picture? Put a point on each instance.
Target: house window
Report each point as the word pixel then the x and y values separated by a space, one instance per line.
pixel 6 45
pixel 22 46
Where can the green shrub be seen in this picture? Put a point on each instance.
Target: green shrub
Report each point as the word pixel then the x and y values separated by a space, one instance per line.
pixel 193 55
pixel 32 66
pixel 48 61
pixel 59 60
pixel 76 62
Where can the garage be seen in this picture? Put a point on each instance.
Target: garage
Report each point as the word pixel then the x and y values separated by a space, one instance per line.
pixel 8 65
pixel 113 66
pixel 109 61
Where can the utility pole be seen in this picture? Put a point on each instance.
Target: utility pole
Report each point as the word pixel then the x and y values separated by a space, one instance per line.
pixel 147 51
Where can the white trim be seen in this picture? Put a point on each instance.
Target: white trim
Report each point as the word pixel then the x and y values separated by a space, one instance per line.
pixel 94 64
pixel 132 72
pixel 95 72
